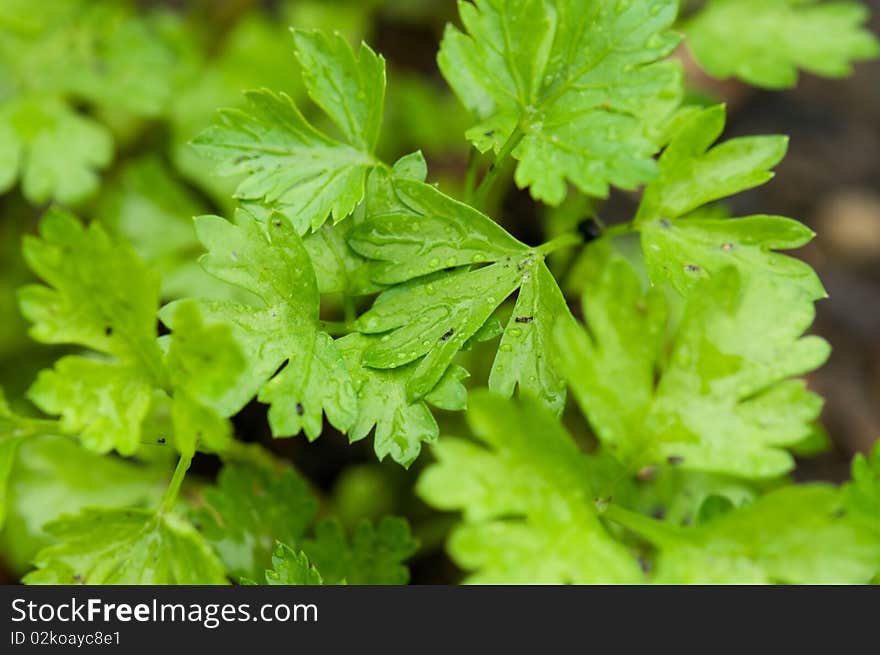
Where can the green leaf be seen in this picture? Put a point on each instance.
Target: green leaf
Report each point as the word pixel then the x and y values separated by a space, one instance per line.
pixel 693 174
pixel 290 568
pixel 862 494
pixel 525 355
pixel 152 209
pixel 104 403
pixel 375 555
pixel 54 475
pixel 288 163
pixel 765 42
pixel 793 535
pixel 248 511
pixel 581 83
pixel 723 400
pixel 435 312
pixel 56 151
pixel 401 426
pixel 13 431
pixel 428 233
pixel 350 89
pixel 527 500
pixel 125 546
pixel 102 296
pixel 272 263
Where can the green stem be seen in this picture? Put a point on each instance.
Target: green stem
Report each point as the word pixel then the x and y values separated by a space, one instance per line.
pixel 481 195
pixel 338 328
pixel 653 530
pixel 349 309
pixel 173 490
pixel 562 241
pixel 470 176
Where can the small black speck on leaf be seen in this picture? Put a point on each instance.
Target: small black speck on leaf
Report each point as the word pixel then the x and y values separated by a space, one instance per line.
pixel 448 334
pixel 665 224
pixel 161 440
pixel 108 330
pixel 675 459
pixel 692 268
pixel 276 223
pixel 524 319
pixel 300 410
pixel 78 578
pixel 727 247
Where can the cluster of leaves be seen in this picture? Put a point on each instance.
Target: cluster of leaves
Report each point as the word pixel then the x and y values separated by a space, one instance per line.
pixel 684 366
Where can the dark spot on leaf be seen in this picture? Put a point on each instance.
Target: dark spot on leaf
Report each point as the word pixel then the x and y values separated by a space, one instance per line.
pixel 276 223
pixel 675 459
pixel 448 334
pixel 692 268
pixel 646 473
pixel 197 525
pixel 645 565
pixel 524 319
pixel 78 578
pixel 490 133
pixel 727 247
pixel 665 224
pixel 300 409
pixel 838 514
pixel 108 330
pixel 239 159
pixel 161 440
pixel 658 513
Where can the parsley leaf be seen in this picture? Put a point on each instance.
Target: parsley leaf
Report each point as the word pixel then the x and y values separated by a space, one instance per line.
pixel 691 175
pixel 55 475
pixel 792 535
pixel 581 83
pixel 723 400
pixel 290 164
pixel 248 510
pixel 101 296
pixel 289 568
pixel 14 430
pixel 272 263
pixel 125 546
pixel 765 42
pixel 401 425
pixel 375 555
pixel 54 150
pixel 526 498
pixel 429 244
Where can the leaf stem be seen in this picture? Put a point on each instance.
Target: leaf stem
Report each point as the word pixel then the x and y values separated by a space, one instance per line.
pixel 562 241
pixel 173 489
pixel 349 309
pixel 338 328
pixel 651 529
pixel 481 195
pixel 470 176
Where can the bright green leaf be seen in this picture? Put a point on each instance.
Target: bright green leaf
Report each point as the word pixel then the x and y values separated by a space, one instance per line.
pixel 723 399
pixel 248 511
pixel 765 42
pixel 374 555
pixel 272 263
pixel 581 82
pixel 288 163
pixel 126 546
pixel 527 500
